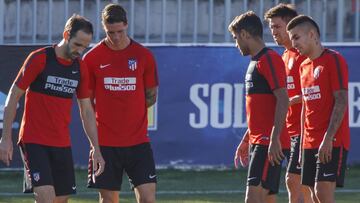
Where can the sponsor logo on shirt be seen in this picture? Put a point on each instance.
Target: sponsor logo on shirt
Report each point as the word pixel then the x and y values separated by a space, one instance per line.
pixel 290 83
pixel 120 84
pixel 311 93
pixel 61 84
pixel 291 63
pixel 317 71
pixel 132 64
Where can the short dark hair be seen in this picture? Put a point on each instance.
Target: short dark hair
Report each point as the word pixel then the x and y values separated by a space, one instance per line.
pixel 249 22
pixel 285 11
pixel 114 13
pixel 303 19
pixel 77 22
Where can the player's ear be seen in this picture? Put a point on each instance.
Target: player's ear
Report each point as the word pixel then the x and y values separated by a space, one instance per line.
pixel 66 35
pixel 243 34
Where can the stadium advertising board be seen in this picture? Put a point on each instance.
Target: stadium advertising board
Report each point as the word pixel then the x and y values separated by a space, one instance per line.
pixel 199 118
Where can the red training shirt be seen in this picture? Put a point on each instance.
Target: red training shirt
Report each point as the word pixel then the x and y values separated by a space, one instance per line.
pixel 119 80
pixel 320 78
pixel 292 60
pixel 46 118
pixel 266 72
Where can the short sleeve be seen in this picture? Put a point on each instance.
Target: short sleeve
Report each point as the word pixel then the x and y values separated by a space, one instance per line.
pixel 91 71
pixel 150 73
pixel 82 90
pixel 32 67
pixel 272 67
pixel 338 73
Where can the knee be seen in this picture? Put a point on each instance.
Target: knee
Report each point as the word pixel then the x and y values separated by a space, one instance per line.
pixel 44 194
pixel 61 199
pixel 147 199
pixel 322 194
pixel 108 197
pixel 291 183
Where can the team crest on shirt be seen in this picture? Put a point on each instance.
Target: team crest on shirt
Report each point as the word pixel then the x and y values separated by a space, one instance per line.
pixel 132 64
pixel 317 71
pixel 36 176
pixel 291 63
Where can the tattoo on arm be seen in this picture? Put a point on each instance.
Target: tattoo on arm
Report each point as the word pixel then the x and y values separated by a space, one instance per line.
pixel 338 112
pixel 150 95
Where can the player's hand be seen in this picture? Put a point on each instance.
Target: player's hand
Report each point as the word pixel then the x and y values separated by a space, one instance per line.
pixel 98 162
pixel 242 154
pixel 275 153
pixel 325 151
pixel 6 150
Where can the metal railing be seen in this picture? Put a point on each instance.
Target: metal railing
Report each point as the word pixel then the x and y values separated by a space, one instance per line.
pixel 168 21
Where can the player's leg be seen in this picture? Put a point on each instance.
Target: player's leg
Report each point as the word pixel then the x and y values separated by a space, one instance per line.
pixel 308 171
pixel 141 171
pixel 271 197
pixel 262 177
pixel 108 196
pixel 145 193
pixel 61 199
pixel 327 175
pixel 37 172
pixel 109 182
pixel 296 192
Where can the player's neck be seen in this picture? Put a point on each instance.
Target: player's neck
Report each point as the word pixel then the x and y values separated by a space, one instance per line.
pixel 60 51
pixel 316 52
pixel 256 47
pixel 120 46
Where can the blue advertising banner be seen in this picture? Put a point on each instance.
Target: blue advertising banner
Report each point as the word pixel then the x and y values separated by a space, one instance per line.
pixel 199 118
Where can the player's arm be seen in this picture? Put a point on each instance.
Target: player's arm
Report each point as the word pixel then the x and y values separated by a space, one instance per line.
pixel 302 123
pixel 89 123
pixel 242 151
pixel 6 144
pixel 337 115
pixel 282 103
pixel 151 95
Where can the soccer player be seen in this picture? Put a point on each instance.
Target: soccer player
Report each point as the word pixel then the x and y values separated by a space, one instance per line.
pixel 266 107
pixel 326 133
pixel 50 77
pixel 123 78
pixel 278 17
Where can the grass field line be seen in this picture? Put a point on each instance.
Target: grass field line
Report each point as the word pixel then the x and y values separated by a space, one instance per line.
pixel 179 192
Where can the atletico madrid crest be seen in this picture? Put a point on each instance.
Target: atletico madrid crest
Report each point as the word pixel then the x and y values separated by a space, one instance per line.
pixel 132 63
pixel 36 176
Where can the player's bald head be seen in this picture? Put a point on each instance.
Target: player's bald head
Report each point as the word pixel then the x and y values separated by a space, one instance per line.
pixel 306 23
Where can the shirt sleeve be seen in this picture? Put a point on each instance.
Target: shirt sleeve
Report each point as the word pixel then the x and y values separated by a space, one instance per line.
pixel 32 67
pixel 82 90
pixel 150 73
pixel 91 73
pixel 339 73
pixel 273 69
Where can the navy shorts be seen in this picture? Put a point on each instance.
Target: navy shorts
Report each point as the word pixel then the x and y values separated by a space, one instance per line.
pixel 314 171
pixel 294 165
pixel 261 171
pixel 137 161
pixel 47 165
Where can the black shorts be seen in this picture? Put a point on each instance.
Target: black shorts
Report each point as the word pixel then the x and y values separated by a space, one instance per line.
pixel 314 171
pixel 137 161
pixel 261 171
pixel 47 165
pixel 286 153
pixel 294 165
